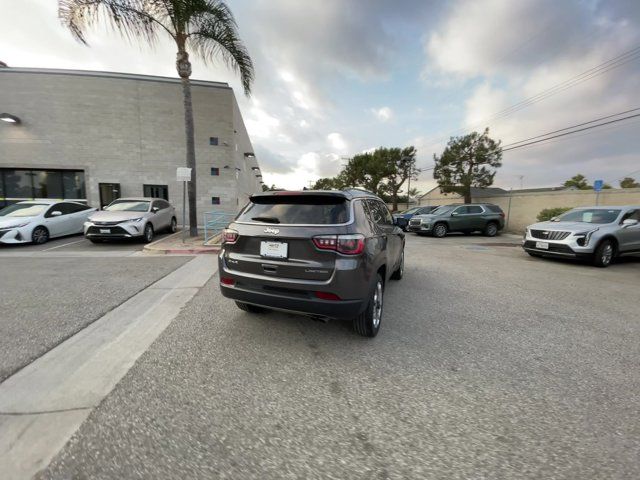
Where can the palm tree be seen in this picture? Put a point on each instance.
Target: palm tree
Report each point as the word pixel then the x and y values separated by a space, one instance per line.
pixel 207 28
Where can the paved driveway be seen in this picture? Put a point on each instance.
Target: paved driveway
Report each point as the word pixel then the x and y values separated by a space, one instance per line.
pixel 489 365
pixel 50 295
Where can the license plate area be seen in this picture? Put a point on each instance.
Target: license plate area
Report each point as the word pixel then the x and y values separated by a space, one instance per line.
pixel 274 249
pixel 542 245
pixel 105 230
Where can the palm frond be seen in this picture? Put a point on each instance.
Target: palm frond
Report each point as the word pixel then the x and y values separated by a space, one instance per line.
pixel 213 31
pixel 134 19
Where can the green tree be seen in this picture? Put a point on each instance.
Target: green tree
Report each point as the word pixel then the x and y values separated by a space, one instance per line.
pixel 628 182
pixel 367 170
pixel 402 163
pixel 578 181
pixel 206 28
pixel 328 184
pixel 468 161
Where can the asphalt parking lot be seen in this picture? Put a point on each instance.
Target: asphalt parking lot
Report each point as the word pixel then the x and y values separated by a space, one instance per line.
pixel 489 365
pixel 75 245
pixel 51 291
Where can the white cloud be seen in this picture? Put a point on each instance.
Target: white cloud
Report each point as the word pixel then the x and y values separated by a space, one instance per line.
pixel 384 114
pixel 337 142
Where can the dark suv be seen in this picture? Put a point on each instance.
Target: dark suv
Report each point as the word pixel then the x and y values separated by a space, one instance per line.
pixel 467 218
pixel 326 254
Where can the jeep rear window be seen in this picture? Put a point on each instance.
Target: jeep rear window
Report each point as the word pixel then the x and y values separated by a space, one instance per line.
pixel 494 208
pixel 296 209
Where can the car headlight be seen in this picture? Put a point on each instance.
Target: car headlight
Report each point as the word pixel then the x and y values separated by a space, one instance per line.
pixel 20 225
pixel 134 220
pixel 582 238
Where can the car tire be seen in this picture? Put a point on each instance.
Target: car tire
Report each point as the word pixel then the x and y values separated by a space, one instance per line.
pixel 250 308
pixel 148 233
pixel 40 235
pixel 491 229
pixel 173 226
pixel 368 322
pixel 397 275
pixel 439 230
pixel 604 254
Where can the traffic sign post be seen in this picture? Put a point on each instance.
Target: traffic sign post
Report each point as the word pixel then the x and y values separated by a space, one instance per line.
pixel 183 174
pixel 597 186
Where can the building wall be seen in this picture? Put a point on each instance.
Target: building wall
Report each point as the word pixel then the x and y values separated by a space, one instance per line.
pixel 436 197
pixel 522 209
pixel 124 129
pixel 525 207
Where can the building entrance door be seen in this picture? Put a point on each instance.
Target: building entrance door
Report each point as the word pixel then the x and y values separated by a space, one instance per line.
pixel 108 193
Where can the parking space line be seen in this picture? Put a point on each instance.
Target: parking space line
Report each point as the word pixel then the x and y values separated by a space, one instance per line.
pixel 63 245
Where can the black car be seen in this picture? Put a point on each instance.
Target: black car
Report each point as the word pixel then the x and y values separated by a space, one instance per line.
pixel 326 254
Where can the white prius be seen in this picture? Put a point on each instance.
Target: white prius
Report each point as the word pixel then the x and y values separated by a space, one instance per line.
pixel 37 221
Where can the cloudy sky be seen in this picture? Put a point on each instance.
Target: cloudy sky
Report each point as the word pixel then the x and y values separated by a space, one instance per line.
pixel 338 77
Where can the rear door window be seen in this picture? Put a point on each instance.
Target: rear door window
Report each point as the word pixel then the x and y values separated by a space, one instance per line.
pixel 494 208
pixel 379 213
pixel 297 210
pixel 474 209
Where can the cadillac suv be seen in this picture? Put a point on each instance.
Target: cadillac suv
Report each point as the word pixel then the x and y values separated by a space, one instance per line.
pixel 598 234
pixel 325 254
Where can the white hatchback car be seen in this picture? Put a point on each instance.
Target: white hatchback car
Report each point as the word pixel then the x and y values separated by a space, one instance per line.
pixel 37 221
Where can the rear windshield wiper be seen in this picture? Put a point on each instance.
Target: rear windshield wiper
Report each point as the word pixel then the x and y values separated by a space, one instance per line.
pixel 266 219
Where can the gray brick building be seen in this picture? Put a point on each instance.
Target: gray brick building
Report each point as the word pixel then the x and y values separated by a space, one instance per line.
pixel 96 135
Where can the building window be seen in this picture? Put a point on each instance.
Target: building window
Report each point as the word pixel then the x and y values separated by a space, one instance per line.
pixel 156 191
pixel 215 171
pixel 215 200
pixel 213 140
pixel 17 185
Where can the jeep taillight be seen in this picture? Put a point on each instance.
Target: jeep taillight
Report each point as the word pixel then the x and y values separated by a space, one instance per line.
pixel 229 236
pixel 345 244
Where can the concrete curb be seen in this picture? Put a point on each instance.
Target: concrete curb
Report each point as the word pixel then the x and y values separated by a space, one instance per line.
pixel 154 247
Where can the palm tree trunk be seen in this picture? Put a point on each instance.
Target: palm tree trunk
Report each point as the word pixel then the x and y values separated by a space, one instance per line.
pixel 184 70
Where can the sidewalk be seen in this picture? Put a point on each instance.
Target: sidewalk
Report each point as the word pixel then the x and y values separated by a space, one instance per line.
pixel 174 244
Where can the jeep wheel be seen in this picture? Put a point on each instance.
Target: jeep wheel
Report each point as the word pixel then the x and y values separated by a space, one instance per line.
pixel 397 275
pixel 604 254
pixel 367 323
pixel 439 230
pixel 250 308
pixel 491 230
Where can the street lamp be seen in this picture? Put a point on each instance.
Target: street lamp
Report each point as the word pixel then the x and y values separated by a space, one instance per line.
pixel 7 117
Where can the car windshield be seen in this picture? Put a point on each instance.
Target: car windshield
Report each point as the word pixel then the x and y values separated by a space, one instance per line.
pixel 442 210
pixel 128 206
pixel 23 210
pixel 592 215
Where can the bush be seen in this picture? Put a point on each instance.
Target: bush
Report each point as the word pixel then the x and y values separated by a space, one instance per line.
pixel 549 213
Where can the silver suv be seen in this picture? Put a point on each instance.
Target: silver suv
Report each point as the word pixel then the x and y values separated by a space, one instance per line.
pixel 596 233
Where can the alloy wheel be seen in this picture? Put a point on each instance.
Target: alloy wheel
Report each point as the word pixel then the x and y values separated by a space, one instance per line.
pixel 607 254
pixel 377 305
pixel 40 235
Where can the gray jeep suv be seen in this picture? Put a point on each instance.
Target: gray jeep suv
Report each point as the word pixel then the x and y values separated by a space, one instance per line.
pixel 326 254
pixel 598 234
pixel 467 218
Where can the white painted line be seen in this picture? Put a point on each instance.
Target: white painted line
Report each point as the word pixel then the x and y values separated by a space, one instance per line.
pixel 42 405
pixel 63 245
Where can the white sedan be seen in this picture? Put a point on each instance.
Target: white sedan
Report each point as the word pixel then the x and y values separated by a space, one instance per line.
pixel 37 221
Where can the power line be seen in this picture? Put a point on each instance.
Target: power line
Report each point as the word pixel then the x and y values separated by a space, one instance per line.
pixel 569 133
pixel 604 67
pixel 574 126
